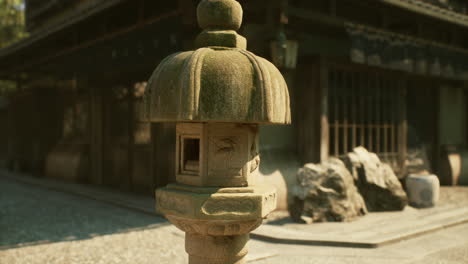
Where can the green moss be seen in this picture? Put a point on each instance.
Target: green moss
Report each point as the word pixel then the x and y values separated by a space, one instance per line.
pixel 218 85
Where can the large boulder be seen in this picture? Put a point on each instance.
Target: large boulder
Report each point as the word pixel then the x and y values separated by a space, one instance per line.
pixel 325 192
pixel 376 181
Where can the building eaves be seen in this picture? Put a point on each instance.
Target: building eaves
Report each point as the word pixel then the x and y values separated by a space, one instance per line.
pixel 390 50
pixel 430 10
pixel 96 7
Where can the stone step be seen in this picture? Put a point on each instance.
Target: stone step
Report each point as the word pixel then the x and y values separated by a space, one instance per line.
pixel 376 235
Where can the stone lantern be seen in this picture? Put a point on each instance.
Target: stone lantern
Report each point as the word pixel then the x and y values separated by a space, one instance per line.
pixel 217 95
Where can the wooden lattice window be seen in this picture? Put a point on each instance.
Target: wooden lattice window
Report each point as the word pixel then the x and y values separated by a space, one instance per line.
pixel 366 108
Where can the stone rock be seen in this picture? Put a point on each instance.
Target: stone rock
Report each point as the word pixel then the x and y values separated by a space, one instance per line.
pixel 326 192
pixel 423 190
pixel 376 181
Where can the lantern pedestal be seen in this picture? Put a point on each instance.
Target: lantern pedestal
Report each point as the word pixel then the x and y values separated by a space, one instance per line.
pixel 216 221
pixel 216 249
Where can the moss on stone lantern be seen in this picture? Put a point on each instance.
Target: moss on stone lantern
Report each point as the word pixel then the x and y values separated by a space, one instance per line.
pixel 217 95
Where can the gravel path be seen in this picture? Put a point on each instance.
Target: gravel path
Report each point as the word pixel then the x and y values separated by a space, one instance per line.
pixel 453 195
pixel 453 255
pixel 42 226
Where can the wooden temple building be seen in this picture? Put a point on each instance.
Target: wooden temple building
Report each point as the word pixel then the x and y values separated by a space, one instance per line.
pixel 390 75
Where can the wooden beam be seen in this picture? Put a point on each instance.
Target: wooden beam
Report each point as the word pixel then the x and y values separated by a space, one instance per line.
pixel 315 17
pixel 61 53
pixel 446 15
pixel 94 8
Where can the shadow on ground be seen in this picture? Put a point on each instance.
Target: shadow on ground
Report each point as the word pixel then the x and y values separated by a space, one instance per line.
pixel 31 215
pixel 282 221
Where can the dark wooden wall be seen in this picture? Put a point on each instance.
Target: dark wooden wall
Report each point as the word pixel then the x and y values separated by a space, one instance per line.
pixel 32 126
pixel 127 154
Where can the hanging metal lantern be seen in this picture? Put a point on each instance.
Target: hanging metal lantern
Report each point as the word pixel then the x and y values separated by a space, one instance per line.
pixel 407 55
pixel 447 62
pixel 374 49
pixel 420 58
pixel 397 54
pixel 284 52
pixel 387 52
pixel 358 43
pixel 434 60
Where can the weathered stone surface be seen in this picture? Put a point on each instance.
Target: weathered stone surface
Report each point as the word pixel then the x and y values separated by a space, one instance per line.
pixel 215 203
pixel 206 91
pixel 376 181
pixel 232 151
pixel 216 220
pixel 219 14
pixel 216 249
pixel 215 228
pixel 227 38
pixel 201 86
pixel 326 192
pixel 220 81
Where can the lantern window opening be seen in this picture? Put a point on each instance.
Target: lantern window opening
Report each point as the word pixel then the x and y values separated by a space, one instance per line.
pixel 190 155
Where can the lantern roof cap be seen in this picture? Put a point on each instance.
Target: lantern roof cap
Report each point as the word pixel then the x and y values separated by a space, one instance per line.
pixel 219 14
pixel 220 81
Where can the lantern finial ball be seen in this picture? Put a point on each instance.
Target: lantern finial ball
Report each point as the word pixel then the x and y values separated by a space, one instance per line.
pixel 219 14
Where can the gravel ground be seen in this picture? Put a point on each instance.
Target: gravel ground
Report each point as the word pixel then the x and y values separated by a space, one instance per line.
pixel 145 246
pixel 42 226
pixel 39 226
pixel 453 195
pixel 453 255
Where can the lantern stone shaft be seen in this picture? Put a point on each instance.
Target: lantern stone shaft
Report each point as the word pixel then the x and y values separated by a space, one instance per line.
pixel 217 95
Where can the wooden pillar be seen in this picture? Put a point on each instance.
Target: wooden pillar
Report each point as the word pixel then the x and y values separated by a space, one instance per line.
pixel 127 183
pixel 11 126
pixel 311 115
pixel 465 95
pixel 96 135
pixel 402 127
pixel 36 141
pixel 324 125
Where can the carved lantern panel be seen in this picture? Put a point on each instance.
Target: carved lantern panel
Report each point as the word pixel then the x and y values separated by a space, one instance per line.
pixel 216 154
